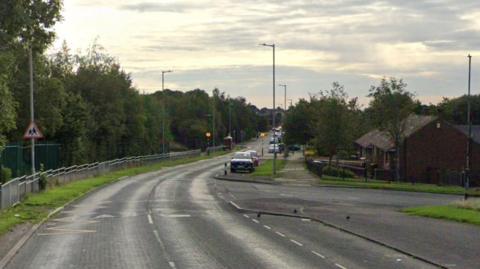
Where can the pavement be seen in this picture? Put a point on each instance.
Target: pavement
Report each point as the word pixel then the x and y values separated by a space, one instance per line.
pixel 184 218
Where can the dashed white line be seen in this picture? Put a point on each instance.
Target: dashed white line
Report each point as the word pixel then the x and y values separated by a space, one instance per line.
pixel 340 266
pixel 235 205
pixel 246 216
pixel 306 220
pixel 318 254
pixel 296 243
pixel 150 220
pixel 172 264
pixel 256 221
pixel 267 227
pixel 157 236
pixel 279 233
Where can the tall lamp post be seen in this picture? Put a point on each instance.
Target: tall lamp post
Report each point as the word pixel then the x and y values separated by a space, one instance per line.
pixel 285 96
pixel 163 110
pixel 32 110
pixel 273 114
pixel 469 122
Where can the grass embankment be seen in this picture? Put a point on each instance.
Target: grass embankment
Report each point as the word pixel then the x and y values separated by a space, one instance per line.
pixel 464 211
pixel 265 169
pixel 397 186
pixel 37 206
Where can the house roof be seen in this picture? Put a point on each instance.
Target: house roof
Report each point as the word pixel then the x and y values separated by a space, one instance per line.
pixel 475 131
pixel 381 139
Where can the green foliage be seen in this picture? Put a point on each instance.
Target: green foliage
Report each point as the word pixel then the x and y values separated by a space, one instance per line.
pixel 447 212
pixel 5 174
pixel 299 122
pixel 337 172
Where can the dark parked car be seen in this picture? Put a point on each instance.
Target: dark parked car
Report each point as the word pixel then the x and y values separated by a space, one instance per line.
pixel 242 161
pixel 294 147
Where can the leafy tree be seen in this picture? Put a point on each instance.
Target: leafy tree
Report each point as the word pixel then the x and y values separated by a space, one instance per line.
pixel 334 125
pixel 391 104
pixel 298 123
pixel 7 103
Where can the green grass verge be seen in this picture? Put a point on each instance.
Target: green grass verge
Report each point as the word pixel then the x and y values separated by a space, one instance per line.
pixel 37 206
pixel 265 169
pixel 448 212
pixel 398 186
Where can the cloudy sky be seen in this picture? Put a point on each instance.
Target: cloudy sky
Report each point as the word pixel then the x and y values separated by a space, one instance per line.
pixel 214 43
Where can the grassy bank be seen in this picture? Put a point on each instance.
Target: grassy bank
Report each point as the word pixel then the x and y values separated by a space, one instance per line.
pixel 37 206
pixel 265 168
pixel 448 212
pixel 397 186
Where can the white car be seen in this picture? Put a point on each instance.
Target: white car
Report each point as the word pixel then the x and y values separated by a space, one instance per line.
pixel 273 148
pixel 255 158
pixel 242 161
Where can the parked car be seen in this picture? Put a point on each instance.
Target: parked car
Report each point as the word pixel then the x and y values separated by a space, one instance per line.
pixel 242 161
pixel 294 147
pixel 255 158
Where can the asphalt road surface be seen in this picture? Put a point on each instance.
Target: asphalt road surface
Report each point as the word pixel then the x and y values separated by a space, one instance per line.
pixel 180 218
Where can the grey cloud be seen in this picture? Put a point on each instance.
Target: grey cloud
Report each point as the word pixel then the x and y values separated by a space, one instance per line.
pixel 160 7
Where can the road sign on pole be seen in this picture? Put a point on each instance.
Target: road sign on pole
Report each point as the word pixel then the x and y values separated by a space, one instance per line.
pixel 32 132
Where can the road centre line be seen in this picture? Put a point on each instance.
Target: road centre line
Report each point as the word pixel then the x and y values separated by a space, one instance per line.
pixel 256 221
pixel 296 243
pixel 267 227
pixel 246 216
pixel 172 264
pixel 318 254
pixel 157 236
pixel 150 220
pixel 340 266
pixel 279 233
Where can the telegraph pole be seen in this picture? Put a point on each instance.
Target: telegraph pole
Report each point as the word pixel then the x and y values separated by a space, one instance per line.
pixel 469 122
pixel 32 111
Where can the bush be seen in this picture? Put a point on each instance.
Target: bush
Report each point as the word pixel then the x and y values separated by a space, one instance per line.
pixel 5 174
pixel 42 181
pixel 337 172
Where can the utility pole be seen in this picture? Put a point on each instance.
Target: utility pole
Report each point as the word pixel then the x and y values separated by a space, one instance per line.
pixel 213 122
pixel 32 111
pixel 163 109
pixel 469 122
pixel 273 112
pixel 230 118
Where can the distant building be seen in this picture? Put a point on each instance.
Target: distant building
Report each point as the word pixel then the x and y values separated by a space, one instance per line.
pixel 431 151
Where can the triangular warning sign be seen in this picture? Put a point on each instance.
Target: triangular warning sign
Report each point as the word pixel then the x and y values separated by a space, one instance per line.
pixel 33 132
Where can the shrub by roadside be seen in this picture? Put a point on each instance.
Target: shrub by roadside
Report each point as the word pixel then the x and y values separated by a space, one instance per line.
pixel 337 172
pixel 5 174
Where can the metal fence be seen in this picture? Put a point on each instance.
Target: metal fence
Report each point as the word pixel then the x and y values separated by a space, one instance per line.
pixel 16 189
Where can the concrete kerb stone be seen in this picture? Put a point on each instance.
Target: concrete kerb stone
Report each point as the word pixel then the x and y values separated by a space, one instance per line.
pixel 246 180
pixel 301 216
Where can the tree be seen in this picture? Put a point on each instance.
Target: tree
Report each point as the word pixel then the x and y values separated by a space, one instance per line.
pixel 298 123
pixel 7 109
pixel 391 104
pixel 333 129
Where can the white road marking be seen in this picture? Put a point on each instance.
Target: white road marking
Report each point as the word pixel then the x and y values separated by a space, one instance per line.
pixel 340 266
pixel 172 264
pixel 176 215
pixel 306 220
pixel 235 205
pixel 157 236
pixel 318 254
pixel 233 195
pixel 296 243
pixel 150 219
pixel 267 227
pixel 246 216
pixel 256 221
pixel 279 233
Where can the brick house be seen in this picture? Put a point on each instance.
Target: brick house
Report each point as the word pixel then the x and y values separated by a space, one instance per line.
pixel 432 148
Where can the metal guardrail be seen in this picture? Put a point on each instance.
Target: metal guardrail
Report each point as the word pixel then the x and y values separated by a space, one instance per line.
pixel 12 192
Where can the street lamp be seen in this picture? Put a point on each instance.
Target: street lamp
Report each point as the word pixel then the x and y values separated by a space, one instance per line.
pixel 291 101
pixel 285 96
pixel 163 109
pixel 469 122
pixel 273 114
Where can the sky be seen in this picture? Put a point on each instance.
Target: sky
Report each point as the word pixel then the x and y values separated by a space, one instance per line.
pixel 214 44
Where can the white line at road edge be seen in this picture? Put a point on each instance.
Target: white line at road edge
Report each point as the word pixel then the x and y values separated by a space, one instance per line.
pixel 150 219
pixel 235 205
pixel 296 243
pixel 340 266
pixel 318 254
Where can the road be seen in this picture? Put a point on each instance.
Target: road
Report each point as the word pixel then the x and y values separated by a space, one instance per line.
pixel 180 218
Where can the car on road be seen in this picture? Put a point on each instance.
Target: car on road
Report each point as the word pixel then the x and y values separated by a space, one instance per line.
pixel 255 158
pixel 273 148
pixel 242 161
